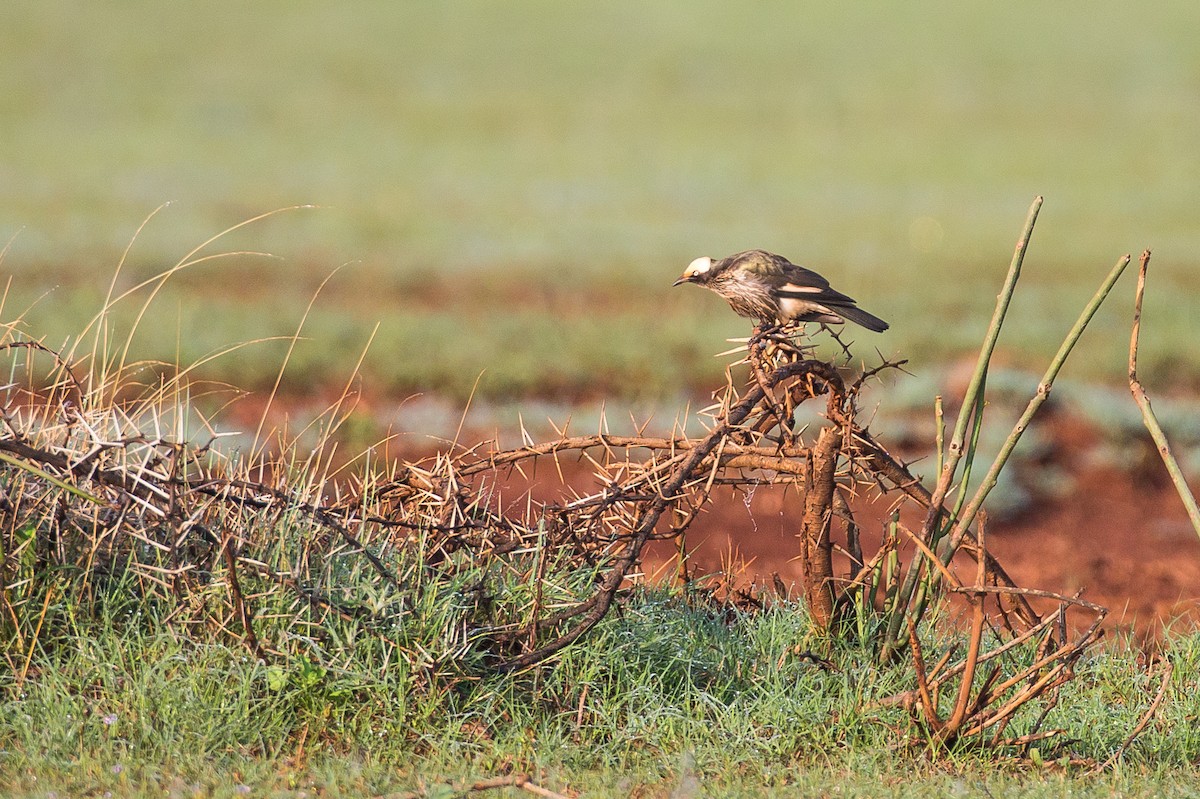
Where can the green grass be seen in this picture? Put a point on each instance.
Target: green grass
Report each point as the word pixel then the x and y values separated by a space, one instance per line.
pixel 122 702
pixel 582 157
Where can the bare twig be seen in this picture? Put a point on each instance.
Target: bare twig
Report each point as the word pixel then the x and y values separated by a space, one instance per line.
pixel 1143 400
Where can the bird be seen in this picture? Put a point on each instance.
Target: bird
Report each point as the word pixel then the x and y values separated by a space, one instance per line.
pixel 768 287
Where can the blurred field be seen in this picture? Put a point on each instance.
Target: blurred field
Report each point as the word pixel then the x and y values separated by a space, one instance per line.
pixel 513 187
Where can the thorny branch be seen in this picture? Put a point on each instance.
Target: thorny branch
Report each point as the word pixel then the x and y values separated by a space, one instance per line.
pixel 435 523
pixel 452 504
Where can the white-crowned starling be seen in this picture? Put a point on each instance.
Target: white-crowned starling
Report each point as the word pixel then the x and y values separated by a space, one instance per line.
pixel 774 290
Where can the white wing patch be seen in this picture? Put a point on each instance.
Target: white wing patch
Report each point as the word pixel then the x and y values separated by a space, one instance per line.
pixel 792 287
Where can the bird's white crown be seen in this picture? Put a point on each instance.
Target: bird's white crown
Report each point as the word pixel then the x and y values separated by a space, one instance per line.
pixel 698 266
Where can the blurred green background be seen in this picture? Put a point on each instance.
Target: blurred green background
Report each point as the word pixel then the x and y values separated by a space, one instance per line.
pixel 512 187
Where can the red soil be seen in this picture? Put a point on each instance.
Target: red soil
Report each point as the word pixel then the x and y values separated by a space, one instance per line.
pixel 1129 549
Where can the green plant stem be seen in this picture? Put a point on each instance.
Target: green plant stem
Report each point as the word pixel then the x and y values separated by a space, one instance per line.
pixel 929 578
pixel 975 387
pixel 970 409
pixel 1043 392
pixel 969 460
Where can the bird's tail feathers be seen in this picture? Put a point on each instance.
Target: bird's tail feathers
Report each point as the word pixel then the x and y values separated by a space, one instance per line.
pixel 857 315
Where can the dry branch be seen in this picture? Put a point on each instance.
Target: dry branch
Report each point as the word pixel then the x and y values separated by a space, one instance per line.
pixel 816 545
pixel 1143 401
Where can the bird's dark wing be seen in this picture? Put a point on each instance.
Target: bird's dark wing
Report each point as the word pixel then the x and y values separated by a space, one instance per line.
pixel 801 294
pixel 778 270
pixel 786 278
pixel 805 284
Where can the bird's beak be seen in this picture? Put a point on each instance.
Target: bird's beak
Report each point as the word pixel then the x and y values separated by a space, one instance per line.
pixel 683 279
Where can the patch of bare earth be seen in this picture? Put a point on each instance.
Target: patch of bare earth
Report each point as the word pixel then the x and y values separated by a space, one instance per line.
pixel 1127 547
